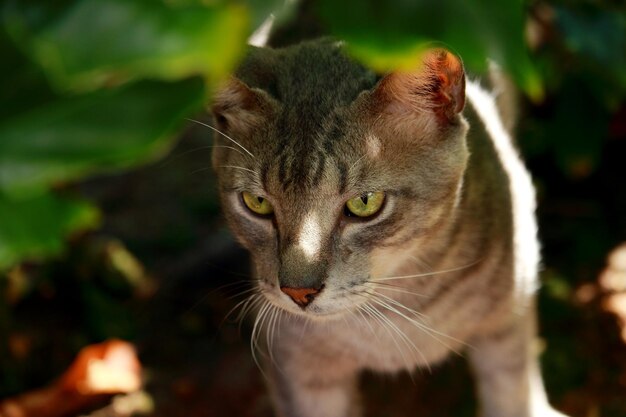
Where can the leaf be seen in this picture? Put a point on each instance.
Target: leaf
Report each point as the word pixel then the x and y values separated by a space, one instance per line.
pixel 598 39
pixel 33 228
pixel 86 44
pixel 389 35
pixel 97 132
pixel 22 85
pixel 261 9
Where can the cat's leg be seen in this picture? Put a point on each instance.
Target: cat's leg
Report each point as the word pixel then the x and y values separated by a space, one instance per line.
pixel 301 386
pixel 507 371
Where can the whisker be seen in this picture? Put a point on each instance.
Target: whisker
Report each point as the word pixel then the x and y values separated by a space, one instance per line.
pixel 223 134
pixel 388 325
pixel 214 290
pixel 359 310
pixel 443 271
pixel 238 167
pixel 254 343
pixel 248 307
pixel 195 171
pixel 422 326
pixel 173 158
pixel 391 328
pixel 395 288
pixel 356 162
pixel 391 323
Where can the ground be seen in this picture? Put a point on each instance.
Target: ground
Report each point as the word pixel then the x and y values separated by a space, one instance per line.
pixel 160 274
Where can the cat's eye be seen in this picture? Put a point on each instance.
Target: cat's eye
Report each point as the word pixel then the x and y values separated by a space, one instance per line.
pixel 365 205
pixel 257 204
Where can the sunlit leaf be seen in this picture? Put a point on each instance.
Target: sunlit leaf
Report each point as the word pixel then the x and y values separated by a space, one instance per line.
pixel 34 227
pixel 86 44
pixel 390 34
pixel 97 132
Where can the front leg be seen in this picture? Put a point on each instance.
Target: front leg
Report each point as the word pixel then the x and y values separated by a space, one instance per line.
pixel 307 379
pixel 507 370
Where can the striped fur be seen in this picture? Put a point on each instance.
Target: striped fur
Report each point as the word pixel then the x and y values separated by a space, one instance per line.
pixel 448 265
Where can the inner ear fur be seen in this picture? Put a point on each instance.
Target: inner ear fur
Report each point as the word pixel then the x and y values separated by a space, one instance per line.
pixel 437 87
pixel 238 107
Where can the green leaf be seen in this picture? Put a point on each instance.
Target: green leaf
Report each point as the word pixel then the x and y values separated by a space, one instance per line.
pixel 22 85
pixel 391 34
pixel 86 44
pixel 33 228
pixel 98 132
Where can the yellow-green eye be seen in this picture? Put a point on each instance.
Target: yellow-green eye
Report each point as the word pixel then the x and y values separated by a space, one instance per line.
pixel 258 205
pixel 366 205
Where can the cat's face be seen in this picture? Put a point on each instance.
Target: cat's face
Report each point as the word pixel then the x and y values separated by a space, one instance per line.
pixel 331 178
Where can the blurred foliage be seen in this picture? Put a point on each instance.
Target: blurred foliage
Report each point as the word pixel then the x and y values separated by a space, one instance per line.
pixel 389 34
pixel 96 86
pixel 91 88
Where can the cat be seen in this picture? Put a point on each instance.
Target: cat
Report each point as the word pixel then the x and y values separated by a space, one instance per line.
pixel 389 220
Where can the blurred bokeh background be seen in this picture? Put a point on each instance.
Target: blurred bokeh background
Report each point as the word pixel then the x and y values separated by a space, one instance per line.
pixel 110 227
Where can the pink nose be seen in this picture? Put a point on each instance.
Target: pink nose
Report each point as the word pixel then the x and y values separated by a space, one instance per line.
pixel 301 296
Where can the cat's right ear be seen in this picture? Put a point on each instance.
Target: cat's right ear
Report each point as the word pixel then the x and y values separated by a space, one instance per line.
pixel 431 95
pixel 237 107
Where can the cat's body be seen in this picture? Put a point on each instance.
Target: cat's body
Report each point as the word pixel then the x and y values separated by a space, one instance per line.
pixel 447 263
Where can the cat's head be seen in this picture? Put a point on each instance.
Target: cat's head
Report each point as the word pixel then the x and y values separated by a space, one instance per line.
pixel 332 176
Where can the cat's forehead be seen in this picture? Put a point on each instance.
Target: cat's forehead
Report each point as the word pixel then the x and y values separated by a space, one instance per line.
pixel 312 157
pixel 309 80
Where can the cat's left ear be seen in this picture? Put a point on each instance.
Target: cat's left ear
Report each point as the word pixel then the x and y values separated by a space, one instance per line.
pixel 436 88
pixel 238 107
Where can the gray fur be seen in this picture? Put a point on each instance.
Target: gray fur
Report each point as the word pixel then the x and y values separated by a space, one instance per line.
pixel 323 129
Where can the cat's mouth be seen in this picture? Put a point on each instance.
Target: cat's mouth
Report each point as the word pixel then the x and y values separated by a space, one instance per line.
pixel 321 303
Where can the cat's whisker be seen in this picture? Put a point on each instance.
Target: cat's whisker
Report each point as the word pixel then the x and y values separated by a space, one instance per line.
pixel 356 162
pixel 223 134
pixel 243 303
pixel 391 323
pixel 420 262
pixel 173 158
pixel 255 301
pixel 390 302
pixel 391 328
pixel 307 321
pixel 269 332
pixel 214 290
pixel 426 274
pixel 239 294
pixel 394 288
pixel 196 171
pixel 254 338
pixel 275 327
pixel 369 325
pixel 238 167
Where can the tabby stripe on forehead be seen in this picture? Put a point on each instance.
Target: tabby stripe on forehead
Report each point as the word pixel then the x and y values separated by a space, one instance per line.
pixel 333 135
pixel 343 176
pixel 317 177
pixel 264 174
pixel 282 167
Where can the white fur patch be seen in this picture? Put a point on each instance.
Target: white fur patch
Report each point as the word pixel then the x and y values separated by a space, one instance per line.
pixel 373 146
pixel 310 237
pixel 522 191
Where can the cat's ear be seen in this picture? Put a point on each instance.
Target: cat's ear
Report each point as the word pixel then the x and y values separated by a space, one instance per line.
pixel 436 88
pixel 239 107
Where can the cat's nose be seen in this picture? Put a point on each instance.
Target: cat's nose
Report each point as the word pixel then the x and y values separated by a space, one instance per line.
pixel 301 296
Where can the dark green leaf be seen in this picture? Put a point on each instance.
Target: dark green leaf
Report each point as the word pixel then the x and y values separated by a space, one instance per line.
pixel 34 227
pixel 91 43
pixel 97 132
pixel 391 34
